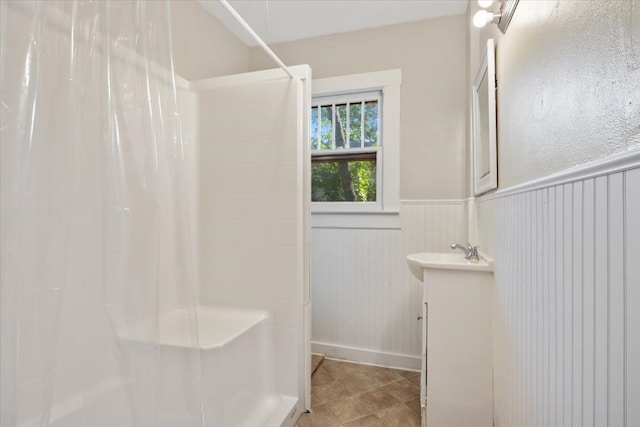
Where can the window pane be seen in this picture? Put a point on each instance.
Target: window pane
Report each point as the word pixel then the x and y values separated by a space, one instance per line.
pixel 371 123
pixel 326 129
pixel 355 125
pixel 314 128
pixel 343 181
pixel 341 125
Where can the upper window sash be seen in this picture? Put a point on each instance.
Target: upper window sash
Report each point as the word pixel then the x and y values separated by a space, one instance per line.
pixel 351 102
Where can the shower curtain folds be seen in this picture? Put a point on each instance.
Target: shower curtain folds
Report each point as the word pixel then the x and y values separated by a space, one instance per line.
pixel 94 233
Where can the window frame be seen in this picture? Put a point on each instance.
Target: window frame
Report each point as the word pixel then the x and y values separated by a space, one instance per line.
pixel 339 153
pixel 385 211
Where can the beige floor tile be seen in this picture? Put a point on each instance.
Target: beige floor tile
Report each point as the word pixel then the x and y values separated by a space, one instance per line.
pixel 414 405
pixel 359 382
pixel 321 377
pixel 316 359
pixel 377 399
pixel 339 369
pixel 368 421
pixel 319 417
pixel 348 409
pixel 403 390
pixel 415 379
pixel 399 416
pixel 381 375
pixel 333 391
pixel 405 374
pixel 315 400
pixel 350 394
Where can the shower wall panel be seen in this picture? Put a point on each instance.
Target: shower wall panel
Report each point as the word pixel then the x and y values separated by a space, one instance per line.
pixel 252 203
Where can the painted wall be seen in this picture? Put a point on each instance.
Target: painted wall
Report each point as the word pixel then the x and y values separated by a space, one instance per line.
pixel 202 46
pixel 431 54
pixel 568 90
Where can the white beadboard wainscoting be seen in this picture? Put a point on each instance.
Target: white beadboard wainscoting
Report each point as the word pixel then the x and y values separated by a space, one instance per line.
pixel 567 298
pixel 365 302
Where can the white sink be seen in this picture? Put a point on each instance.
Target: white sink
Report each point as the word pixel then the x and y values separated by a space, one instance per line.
pixel 445 261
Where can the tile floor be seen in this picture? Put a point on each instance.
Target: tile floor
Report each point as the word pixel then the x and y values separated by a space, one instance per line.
pixel 349 394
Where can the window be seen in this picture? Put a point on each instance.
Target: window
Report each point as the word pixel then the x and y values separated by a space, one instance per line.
pixel 354 140
pixel 345 144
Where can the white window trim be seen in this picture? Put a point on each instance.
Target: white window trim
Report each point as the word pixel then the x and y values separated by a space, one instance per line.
pixel 385 212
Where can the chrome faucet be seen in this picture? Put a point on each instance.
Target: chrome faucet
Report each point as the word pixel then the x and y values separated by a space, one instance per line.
pixel 470 252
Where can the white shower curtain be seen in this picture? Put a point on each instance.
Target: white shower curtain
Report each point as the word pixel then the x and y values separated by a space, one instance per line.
pixel 94 231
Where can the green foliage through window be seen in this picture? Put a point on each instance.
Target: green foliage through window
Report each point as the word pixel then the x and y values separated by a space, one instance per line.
pixel 344 140
pixel 343 181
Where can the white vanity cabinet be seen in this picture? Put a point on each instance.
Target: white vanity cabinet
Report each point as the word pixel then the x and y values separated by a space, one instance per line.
pixel 457 390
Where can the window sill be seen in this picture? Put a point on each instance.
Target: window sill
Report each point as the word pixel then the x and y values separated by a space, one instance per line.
pixel 372 219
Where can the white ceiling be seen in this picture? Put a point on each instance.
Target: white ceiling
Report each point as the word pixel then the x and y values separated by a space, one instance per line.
pixel 286 20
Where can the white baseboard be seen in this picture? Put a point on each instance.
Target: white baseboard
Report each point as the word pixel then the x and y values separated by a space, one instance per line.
pixel 361 355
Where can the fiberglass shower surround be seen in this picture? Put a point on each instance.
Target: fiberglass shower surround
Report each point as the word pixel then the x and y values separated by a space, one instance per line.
pixel 103 322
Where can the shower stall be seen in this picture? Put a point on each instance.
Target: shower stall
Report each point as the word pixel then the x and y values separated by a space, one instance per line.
pixel 154 231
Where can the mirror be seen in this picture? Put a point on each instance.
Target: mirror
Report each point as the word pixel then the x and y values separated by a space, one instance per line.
pixel 484 123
